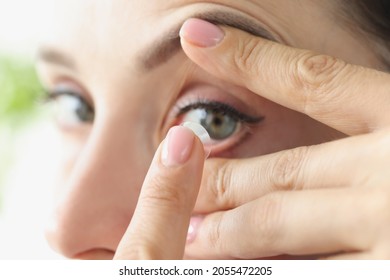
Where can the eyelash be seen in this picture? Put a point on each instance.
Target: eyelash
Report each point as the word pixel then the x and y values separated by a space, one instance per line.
pixel 224 147
pixel 80 112
pixel 218 107
pixel 51 95
pixel 244 120
pixel 215 106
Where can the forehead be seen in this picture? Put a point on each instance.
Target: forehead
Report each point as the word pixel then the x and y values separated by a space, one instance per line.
pixel 114 31
pixel 125 19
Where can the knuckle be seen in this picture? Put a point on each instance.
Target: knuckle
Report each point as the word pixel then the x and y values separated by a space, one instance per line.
pixel 164 192
pixel 316 77
pixel 221 181
pixel 286 173
pixel 268 220
pixel 246 57
pixel 215 236
pixel 318 71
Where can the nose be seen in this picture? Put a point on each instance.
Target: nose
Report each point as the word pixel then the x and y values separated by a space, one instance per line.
pixel 100 195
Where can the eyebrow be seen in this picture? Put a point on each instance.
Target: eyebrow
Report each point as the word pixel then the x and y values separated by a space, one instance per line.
pixel 168 45
pixel 55 57
pixel 164 48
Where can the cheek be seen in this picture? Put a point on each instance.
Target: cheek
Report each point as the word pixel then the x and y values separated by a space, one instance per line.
pixel 72 147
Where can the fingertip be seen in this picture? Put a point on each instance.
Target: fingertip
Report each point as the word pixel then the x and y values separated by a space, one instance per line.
pixel 202 134
pixel 201 33
pixel 167 198
pixel 177 146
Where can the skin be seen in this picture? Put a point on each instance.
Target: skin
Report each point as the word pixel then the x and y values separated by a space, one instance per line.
pixel 98 51
pixel 349 215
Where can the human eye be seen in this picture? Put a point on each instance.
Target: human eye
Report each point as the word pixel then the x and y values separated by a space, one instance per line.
pixel 226 125
pixel 71 109
pixel 220 120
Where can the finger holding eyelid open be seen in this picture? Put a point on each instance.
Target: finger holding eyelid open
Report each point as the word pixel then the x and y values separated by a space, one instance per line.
pixel 323 87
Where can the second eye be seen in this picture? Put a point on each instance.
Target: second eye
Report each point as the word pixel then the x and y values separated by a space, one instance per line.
pixel 71 109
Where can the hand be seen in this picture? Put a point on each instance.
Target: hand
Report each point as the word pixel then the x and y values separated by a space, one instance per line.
pixel 158 229
pixel 328 200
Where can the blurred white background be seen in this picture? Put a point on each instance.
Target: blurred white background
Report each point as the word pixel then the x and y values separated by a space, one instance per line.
pixel 26 190
pixel 21 23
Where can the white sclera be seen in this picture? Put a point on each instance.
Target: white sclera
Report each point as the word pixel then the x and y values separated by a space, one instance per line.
pixel 201 133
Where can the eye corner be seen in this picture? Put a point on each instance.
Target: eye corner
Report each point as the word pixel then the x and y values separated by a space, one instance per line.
pixel 70 108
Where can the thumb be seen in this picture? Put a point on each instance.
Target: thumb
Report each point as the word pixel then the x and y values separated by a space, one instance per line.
pixel 159 226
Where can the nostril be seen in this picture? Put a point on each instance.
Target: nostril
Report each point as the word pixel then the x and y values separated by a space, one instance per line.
pixel 65 246
pixel 59 242
pixel 69 237
pixel 63 238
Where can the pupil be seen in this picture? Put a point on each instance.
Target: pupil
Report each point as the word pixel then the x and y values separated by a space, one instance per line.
pixel 218 125
pixel 218 121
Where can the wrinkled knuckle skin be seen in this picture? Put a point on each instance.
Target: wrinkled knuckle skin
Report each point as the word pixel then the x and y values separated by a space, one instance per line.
pixel 163 191
pixel 222 182
pixel 246 57
pixel 316 78
pixel 286 173
pixel 215 237
pixel 268 220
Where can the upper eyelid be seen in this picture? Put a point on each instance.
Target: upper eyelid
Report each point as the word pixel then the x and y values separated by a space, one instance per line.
pixel 220 106
pixel 51 95
pixel 65 85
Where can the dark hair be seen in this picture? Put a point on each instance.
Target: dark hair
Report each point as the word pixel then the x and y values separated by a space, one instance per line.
pixel 372 18
pixel 377 15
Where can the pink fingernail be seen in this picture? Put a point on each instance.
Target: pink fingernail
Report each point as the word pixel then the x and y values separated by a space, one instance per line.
pixel 201 33
pixel 193 228
pixel 177 146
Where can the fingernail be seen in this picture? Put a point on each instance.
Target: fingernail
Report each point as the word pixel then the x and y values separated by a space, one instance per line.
pixel 201 33
pixel 193 228
pixel 202 134
pixel 177 146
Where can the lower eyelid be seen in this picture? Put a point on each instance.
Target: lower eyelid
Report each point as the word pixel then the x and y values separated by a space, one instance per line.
pixel 211 94
pixel 225 147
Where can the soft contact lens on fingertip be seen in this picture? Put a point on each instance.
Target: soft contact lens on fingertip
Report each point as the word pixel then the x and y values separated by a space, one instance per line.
pixel 201 133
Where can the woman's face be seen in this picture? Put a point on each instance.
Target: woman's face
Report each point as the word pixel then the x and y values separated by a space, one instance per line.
pixel 120 80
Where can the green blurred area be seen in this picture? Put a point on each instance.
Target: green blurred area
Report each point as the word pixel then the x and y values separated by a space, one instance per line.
pixel 20 92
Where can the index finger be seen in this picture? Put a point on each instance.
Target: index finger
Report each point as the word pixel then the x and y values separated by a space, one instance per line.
pixel 349 98
pixel 158 229
pixel 229 183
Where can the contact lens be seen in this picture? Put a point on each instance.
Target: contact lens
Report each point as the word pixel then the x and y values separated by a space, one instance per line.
pixel 202 134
